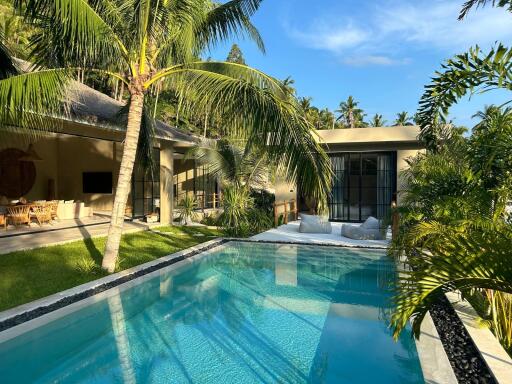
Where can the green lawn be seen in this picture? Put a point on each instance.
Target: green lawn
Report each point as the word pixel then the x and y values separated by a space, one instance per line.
pixel 30 275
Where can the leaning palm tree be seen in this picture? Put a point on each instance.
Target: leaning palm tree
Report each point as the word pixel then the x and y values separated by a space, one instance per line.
pixel 350 114
pixel 403 119
pixel 377 121
pixel 149 43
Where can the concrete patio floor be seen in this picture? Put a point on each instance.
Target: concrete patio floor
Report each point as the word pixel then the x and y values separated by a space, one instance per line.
pixel 62 232
pixel 290 233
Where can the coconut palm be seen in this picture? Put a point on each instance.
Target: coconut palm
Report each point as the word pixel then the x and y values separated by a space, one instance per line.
pixel 305 103
pixel 327 119
pixel 148 43
pixel 350 114
pixel 377 121
pixel 403 119
pixel 288 86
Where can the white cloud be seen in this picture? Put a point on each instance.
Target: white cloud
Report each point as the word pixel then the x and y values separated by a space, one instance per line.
pixel 330 37
pixel 361 60
pixel 385 33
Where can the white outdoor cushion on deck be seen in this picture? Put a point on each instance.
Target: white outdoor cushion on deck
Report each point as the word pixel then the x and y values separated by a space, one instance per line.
pixel 314 224
pixel 369 230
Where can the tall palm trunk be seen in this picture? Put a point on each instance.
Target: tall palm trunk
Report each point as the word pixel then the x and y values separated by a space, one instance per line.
pixel 124 181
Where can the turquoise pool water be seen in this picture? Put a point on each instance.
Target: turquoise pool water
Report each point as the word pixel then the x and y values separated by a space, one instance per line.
pixel 244 313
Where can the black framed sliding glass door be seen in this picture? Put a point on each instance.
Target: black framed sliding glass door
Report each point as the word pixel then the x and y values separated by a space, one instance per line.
pixel 363 185
pixel 146 188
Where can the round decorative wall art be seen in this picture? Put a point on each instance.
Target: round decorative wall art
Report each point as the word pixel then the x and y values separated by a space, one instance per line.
pixel 17 177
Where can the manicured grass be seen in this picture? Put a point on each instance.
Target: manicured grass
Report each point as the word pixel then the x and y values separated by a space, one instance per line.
pixel 29 275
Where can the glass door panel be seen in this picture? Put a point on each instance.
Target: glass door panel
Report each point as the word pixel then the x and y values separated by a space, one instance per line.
pixel 363 185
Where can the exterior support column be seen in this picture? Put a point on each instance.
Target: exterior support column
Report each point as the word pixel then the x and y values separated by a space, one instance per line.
pixel 166 182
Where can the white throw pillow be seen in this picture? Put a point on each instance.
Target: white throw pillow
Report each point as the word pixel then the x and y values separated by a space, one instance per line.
pixel 312 218
pixel 311 227
pixel 371 223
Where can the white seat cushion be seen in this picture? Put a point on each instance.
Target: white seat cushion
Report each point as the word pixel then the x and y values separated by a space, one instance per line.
pixel 357 232
pixel 371 223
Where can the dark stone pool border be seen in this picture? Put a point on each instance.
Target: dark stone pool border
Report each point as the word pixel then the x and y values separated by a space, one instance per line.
pixel 465 358
pixel 114 281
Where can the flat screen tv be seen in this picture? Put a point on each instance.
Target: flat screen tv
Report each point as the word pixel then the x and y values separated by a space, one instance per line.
pixel 97 182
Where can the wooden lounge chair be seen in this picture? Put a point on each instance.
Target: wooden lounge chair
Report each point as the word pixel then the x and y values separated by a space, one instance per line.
pixel 42 212
pixel 54 205
pixel 19 214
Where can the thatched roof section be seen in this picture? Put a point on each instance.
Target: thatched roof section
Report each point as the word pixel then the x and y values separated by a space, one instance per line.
pixel 91 106
pixel 87 105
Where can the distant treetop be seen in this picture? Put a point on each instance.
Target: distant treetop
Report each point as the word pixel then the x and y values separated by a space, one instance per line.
pixel 235 55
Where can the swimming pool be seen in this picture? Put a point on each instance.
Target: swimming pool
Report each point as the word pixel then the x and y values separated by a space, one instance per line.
pixel 240 313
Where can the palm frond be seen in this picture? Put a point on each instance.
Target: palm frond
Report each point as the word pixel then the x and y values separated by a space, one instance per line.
pixel 248 103
pixel 468 5
pixel 30 102
pixel 78 30
pixel 480 260
pixel 471 72
pixel 231 19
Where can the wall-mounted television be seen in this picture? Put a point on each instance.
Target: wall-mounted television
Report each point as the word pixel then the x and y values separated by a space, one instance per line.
pixel 97 182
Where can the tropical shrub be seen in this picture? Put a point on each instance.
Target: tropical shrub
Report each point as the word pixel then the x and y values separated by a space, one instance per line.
pixel 264 200
pixel 187 209
pixel 236 204
pixel 455 231
pixel 241 217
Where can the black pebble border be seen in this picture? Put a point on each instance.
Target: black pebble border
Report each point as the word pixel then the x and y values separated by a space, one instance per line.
pixel 467 363
pixel 40 311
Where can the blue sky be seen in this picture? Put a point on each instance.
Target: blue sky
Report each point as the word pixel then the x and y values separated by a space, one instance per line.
pixel 381 52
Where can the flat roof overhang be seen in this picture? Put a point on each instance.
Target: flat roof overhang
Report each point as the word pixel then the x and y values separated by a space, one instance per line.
pixel 370 135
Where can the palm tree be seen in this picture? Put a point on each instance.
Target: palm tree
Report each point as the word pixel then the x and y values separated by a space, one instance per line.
pixel 233 164
pixel 145 43
pixel 288 86
pixel 327 119
pixel 305 103
pixel 474 71
pixel 403 119
pixel 350 114
pixel 377 121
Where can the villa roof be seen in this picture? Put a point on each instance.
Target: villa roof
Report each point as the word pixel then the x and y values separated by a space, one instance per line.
pixel 397 134
pixel 90 106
